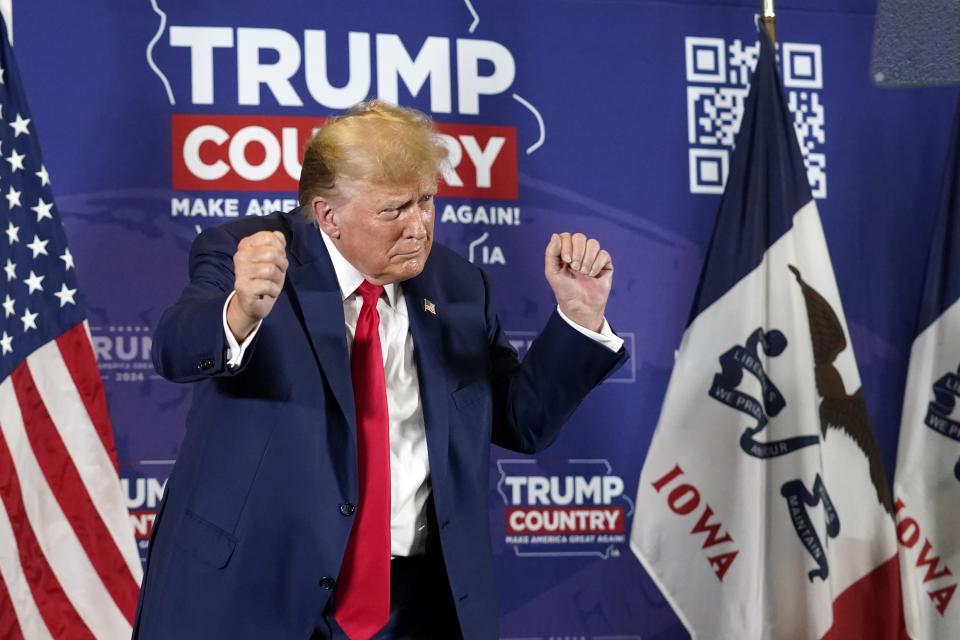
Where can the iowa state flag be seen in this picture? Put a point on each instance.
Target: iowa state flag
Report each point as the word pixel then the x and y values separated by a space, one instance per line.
pixel 763 510
pixel 927 482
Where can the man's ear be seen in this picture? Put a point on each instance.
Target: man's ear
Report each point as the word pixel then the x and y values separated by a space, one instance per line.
pixel 324 216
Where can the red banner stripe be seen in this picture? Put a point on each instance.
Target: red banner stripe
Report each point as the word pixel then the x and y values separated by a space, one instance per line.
pixel 68 488
pixel 221 152
pixel 58 613
pixel 871 607
pixel 9 626
pixel 77 354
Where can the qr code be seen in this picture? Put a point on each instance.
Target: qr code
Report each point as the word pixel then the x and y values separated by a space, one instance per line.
pixel 718 79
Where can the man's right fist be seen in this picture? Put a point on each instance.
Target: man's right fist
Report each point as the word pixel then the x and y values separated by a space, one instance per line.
pixel 259 268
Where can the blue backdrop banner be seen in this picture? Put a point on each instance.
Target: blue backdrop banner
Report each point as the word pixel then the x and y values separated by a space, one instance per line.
pixel 159 118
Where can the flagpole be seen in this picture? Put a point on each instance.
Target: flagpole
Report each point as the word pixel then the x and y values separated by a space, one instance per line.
pixel 768 19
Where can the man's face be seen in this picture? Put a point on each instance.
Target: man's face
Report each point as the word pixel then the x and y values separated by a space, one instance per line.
pixel 386 232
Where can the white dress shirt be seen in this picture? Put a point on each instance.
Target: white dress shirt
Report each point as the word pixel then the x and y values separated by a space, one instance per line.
pixel 409 464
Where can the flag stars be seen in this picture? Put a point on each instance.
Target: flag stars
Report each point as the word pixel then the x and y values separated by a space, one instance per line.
pixel 2 71
pixel 42 209
pixel 5 345
pixel 65 295
pixel 43 175
pixel 67 258
pixel 20 125
pixel 13 233
pixel 8 306
pixel 38 246
pixel 34 282
pixel 13 197
pixel 16 160
pixel 29 320
pixel 11 270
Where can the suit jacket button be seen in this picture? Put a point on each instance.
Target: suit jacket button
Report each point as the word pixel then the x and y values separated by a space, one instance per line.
pixel 348 508
pixel 326 582
pixel 205 363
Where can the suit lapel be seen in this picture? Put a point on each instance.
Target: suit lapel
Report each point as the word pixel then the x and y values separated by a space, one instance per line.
pixel 428 350
pixel 315 287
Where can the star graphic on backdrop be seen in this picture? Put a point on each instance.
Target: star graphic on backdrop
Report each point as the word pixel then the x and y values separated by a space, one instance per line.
pixel 65 295
pixel 42 209
pixel 28 319
pixel 20 125
pixel 8 306
pixel 5 343
pixel 13 233
pixel 43 175
pixel 67 260
pixel 11 270
pixel 33 282
pixel 38 246
pixel 16 160
pixel 13 197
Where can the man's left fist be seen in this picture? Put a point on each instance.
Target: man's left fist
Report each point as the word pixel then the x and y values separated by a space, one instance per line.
pixel 580 274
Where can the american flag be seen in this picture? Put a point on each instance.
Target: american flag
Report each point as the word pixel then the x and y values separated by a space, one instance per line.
pixel 69 567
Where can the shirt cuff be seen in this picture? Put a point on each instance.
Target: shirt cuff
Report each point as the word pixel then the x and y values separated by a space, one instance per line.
pixel 235 351
pixel 606 336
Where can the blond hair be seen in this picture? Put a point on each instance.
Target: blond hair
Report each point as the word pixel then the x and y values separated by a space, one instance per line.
pixel 374 141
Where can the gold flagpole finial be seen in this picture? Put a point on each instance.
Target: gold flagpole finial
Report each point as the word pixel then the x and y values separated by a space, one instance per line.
pixel 768 19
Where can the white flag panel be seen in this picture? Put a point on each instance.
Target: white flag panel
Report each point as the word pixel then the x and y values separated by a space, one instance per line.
pixel 752 545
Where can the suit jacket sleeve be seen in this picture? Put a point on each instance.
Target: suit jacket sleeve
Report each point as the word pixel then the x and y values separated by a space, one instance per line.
pixel 532 399
pixel 189 343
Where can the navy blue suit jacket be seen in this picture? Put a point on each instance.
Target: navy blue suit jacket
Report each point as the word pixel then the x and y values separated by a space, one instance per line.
pixel 250 534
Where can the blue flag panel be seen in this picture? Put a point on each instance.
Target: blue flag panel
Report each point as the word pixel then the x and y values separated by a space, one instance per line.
pixel 942 285
pixel 766 185
pixel 38 284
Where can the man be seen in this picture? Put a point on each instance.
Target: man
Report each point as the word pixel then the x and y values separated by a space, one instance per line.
pixel 350 377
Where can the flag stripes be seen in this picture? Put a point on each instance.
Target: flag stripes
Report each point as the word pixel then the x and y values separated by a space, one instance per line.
pixel 80 580
pixel 65 481
pixel 77 428
pixel 19 615
pixel 76 353
pixel 55 608
pixel 870 606
pixel 8 622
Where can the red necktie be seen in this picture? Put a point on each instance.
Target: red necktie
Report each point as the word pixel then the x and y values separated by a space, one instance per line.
pixel 362 604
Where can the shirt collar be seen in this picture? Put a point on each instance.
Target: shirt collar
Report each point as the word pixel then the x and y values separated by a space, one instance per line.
pixel 347 275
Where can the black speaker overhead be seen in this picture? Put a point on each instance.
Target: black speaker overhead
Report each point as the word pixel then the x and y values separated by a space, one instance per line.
pixel 916 43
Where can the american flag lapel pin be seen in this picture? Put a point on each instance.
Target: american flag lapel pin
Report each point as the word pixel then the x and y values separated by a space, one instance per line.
pixel 429 307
